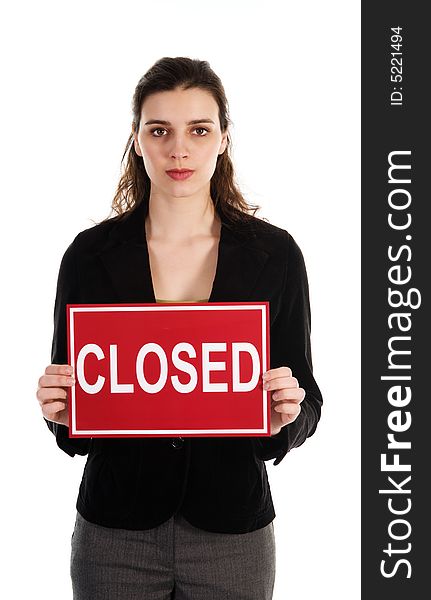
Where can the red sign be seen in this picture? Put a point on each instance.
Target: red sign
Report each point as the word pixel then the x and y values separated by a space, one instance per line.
pixel 183 369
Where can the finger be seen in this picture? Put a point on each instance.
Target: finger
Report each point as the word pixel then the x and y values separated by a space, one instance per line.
pixel 288 408
pixel 286 419
pixel 286 403
pixel 279 372
pixel 51 409
pixel 279 383
pixel 295 394
pixel 49 394
pixel 56 381
pixel 59 370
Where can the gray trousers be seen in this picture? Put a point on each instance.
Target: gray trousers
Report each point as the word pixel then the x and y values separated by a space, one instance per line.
pixel 174 561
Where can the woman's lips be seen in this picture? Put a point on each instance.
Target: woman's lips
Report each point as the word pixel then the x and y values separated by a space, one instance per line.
pixel 180 175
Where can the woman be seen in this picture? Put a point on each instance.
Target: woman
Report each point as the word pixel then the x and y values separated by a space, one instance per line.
pixel 188 518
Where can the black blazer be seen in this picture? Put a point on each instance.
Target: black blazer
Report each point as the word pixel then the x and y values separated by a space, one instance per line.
pixel 218 484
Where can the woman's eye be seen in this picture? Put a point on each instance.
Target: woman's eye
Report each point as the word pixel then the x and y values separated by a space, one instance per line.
pixel 201 129
pixel 153 131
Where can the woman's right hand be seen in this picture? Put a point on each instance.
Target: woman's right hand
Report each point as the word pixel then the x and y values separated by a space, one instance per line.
pixel 52 394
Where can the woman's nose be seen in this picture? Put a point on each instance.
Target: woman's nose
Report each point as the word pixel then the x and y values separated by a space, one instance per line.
pixel 179 149
pixel 179 154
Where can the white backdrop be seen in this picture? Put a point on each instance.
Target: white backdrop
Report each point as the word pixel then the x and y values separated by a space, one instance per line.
pixel 291 71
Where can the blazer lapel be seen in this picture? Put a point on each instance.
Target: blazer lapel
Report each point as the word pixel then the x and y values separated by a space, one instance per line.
pixel 125 257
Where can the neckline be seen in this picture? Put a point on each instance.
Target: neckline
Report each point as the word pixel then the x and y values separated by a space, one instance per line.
pixel 217 269
pixel 180 301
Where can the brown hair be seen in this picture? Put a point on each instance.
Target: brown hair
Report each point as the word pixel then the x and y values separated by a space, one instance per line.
pixel 167 74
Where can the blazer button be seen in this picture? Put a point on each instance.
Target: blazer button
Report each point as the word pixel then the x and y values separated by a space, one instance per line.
pixel 178 442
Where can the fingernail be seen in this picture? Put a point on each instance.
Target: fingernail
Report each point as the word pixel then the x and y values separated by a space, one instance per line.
pixel 70 380
pixel 266 385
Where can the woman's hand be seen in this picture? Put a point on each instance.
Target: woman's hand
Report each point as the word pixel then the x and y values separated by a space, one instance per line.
pixel 52 394
pixel 286 397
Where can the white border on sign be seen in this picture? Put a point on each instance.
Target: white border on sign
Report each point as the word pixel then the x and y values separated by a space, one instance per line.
pixel 260 307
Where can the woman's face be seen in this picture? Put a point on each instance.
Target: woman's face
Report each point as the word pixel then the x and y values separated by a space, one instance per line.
pixel 180 129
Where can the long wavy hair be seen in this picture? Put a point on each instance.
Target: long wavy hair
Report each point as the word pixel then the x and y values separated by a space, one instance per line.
pixel 167 74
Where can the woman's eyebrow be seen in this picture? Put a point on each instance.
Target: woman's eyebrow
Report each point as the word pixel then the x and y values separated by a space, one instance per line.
pixel 194 122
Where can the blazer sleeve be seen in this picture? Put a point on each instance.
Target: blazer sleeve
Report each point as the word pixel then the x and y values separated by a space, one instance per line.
pixel 67 293
pixel 290 343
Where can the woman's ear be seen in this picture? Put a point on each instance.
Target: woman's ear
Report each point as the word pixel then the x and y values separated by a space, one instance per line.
pixel 223 143
pixel 135 141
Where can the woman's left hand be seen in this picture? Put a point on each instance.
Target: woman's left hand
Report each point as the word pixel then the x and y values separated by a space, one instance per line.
pixel 286 397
